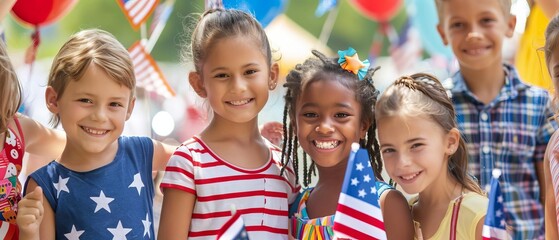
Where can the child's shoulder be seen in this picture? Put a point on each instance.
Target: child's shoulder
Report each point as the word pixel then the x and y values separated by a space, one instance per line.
pixel 474 204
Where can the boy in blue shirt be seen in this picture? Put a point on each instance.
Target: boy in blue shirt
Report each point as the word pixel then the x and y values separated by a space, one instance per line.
pixel 505 122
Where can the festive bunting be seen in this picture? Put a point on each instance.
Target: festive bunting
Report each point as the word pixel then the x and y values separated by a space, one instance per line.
pixel 148 74
pixel 358 215
pixel 137 11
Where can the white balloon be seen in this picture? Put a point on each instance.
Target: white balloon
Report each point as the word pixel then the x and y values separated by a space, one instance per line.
pixel 163 123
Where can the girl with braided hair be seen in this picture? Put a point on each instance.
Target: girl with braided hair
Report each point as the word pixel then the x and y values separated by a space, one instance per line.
pixel 325 126
pixel 424 153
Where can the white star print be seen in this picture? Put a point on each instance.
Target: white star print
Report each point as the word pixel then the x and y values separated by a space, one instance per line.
pixel 366 178
pixel 362 193
pixel 359 167
pixel 373 190
pixel 119 233
pixel 102 202
pixel 500 199
pixel 137 183
pixel 74 234
pixel 354 181
pixel 498 213
pixel 147 224
pixel 61 185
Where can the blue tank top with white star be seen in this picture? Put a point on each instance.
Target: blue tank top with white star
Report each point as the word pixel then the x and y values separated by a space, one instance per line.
pixel 111 202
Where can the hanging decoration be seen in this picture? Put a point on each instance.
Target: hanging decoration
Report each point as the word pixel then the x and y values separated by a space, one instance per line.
pixel 148 74
pixel 424 18
pixel 378 10
pixel 263 10
pixel 38 13
pixel 137 11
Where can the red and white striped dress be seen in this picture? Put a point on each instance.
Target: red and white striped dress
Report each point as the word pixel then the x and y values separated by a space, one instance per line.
pixel 261 195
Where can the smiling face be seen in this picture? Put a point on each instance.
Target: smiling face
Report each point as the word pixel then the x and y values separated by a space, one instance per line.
pixel 415 151
pixel 92 110
pixel 475 30
pixel 328 121
pixel 235 79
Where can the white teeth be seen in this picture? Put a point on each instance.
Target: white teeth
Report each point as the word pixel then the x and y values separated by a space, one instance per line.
pixel 93 131
pixel 410 177
pixel 326 145
pixel 239 102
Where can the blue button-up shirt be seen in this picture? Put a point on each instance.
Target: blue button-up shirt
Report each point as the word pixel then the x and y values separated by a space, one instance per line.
pixel 510 133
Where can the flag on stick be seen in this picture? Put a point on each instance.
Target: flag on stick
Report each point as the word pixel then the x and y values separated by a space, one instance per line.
pixel 358 215
pixel 494 227
pixel 233 229
pixel 137 11
pixel 148 74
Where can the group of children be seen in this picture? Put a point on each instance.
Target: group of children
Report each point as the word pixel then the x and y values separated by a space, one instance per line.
pixel 437 146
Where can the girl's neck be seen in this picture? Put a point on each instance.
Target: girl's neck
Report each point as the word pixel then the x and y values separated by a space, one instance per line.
pixel 220 129
pixel 440 192
pixel 485 83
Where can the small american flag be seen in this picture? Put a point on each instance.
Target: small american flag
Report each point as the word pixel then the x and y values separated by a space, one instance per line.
pixel 358 215
pixel 233 229
pixel 494 227
pixel 137 11
pixel 148 74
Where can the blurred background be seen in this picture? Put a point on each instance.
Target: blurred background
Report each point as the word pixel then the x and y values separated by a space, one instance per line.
pixel 398 35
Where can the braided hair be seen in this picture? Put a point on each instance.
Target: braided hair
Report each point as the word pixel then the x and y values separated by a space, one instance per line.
pixel 423 94
pixel 319 69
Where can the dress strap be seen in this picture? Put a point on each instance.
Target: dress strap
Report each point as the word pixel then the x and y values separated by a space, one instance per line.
pixel 454 219
pixel 20 131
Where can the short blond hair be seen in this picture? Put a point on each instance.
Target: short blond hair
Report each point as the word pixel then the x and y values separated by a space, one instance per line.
pixel 92 46
pixel 505 6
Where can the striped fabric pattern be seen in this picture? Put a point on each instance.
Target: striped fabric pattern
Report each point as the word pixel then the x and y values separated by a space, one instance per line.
pixel 137 11
pixel 510 134
pixel 261 195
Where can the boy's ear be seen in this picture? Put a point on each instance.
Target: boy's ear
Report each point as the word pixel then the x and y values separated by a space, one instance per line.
pixel 130 108
pixel 442 34
pixel 274 74
pixel 51 99
pixel 511 24
pixel 453 140
pixel 197 84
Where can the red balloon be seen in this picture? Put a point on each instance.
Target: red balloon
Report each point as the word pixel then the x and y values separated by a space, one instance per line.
pixel 378 10
pixel 41 12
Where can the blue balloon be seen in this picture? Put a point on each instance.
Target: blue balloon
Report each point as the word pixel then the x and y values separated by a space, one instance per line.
pixel 263 10
pixel 424 18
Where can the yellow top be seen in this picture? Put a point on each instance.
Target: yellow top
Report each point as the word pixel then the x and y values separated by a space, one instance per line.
pixel 472 209
pixel 530 58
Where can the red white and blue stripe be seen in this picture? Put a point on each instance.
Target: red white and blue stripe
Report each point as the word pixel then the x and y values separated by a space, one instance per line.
pixel 233 229
pixel 494 227
pixel 358 215
pixel 137 11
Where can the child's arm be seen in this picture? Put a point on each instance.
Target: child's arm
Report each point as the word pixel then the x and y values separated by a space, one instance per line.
pixel 479 228
pixel 35 216
pixel 176 214
pixel 41 140
pixel 161 154
pixel 397 217
pixel 551 231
